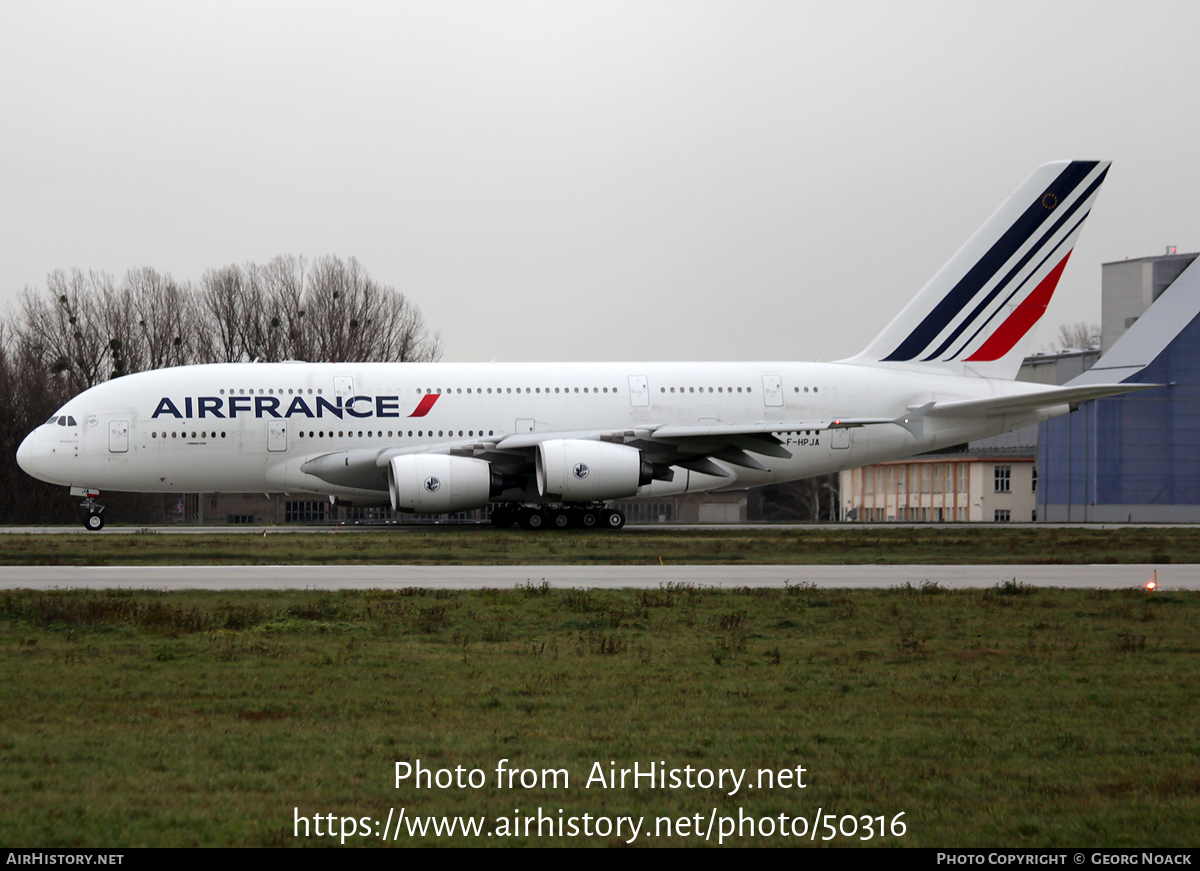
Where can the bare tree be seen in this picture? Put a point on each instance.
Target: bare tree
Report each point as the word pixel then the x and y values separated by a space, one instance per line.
pixel 119 322
pixel 222 305
pixel 29 393
pixel 284 282
pixel 67 325
pixel 332 311
pixel 166 317
pixel 351 318
pixel 1080 336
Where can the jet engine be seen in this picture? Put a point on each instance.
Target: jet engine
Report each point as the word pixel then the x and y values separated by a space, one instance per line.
pixel 577 470
pixel 440 483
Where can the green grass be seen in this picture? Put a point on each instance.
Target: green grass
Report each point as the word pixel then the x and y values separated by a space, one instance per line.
pixel 484 546
pixel 1012 716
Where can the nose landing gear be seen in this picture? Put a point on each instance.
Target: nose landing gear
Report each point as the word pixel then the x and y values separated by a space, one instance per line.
pixel 93 511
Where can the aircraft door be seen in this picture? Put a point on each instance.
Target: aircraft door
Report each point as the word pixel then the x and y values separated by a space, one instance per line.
pixel 343 385
pixel 772 391
pixel 639 392
pixel 118 436
pixel 277 435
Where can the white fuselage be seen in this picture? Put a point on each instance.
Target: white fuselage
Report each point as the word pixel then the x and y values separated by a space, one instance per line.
pixel 250 427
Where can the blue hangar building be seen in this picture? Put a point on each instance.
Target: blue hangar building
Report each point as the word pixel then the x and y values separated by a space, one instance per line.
pixel 1134 457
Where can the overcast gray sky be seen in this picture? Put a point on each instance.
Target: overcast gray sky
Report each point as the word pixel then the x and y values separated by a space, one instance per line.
pixel 592 180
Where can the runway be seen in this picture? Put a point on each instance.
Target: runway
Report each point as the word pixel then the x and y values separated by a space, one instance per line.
pixel 1110 577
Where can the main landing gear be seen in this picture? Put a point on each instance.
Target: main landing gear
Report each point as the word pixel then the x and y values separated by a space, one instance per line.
pixel 557 516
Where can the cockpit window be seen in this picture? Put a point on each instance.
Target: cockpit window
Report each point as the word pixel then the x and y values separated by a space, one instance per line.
pixel 71 421
pixel 62 421
pixel 52 421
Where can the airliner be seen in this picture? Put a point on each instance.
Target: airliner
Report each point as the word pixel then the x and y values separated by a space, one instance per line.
pixel 550 445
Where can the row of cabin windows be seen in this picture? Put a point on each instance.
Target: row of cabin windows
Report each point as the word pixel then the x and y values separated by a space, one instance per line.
pixel 701 390
pixel 272 391
pixel 499 390
pixel 480 390
pixel 340 434
pixel 400 434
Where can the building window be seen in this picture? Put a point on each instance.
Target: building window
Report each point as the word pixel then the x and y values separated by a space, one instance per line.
pixel 1002 515
pixel 304 512
pixel 1003 479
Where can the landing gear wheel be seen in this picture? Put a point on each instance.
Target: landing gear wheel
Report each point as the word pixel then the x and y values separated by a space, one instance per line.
pixel 560 519
pixel 613 519
pixel 589 520
pixel 533 520
pixel 94 522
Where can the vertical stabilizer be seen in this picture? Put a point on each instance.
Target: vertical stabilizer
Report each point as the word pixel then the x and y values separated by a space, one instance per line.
pixel 976 316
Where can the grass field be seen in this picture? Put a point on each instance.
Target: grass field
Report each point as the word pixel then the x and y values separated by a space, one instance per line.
pixel 1010 716
pixel 734 546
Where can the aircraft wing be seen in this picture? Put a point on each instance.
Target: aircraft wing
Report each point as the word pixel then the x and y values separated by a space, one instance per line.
pixel 693 447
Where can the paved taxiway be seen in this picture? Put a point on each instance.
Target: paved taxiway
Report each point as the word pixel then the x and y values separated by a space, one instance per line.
pixel 466 527
pixel 1170 577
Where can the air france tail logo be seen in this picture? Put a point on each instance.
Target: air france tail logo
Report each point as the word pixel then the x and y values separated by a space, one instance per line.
pixel 227 408
pixel 998 298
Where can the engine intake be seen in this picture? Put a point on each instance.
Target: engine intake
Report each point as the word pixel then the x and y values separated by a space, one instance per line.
pixel 577 470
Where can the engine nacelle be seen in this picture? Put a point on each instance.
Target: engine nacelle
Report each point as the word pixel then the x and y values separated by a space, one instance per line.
pixel 577 470
pixel 438 483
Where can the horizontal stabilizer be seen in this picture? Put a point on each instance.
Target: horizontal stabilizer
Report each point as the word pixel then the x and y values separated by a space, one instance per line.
pixel 996 405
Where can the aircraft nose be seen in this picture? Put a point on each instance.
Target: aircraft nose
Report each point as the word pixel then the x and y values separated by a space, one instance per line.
pixel 34 455
pixel 25 453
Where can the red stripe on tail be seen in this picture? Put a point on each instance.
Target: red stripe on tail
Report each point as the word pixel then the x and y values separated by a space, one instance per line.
pixel 1021 321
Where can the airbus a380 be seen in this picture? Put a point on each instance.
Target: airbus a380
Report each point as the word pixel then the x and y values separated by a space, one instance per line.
pixel 549 444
